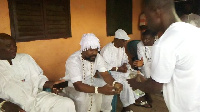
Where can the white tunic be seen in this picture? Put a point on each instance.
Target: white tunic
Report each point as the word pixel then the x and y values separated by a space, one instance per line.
pixel 76 72
pixel 116 57
pixel 22 82
pixel 145 53
pixel 175 62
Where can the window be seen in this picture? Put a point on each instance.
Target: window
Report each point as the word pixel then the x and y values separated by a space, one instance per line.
pixel 39 19
pixel 118 16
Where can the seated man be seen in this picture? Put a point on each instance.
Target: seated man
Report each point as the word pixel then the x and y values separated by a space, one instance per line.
pixel 144 62
pixel 117 62
pixel 22 81
pixel 83 86
pixel 144 52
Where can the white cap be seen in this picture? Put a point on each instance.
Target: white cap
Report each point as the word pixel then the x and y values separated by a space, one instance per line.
pixel 121 34
pixel 88 41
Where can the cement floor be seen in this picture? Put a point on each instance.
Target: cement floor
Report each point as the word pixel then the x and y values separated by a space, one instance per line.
pixel 158 105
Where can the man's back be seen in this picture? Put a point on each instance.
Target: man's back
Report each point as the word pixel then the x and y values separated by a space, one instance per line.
pixel 176 63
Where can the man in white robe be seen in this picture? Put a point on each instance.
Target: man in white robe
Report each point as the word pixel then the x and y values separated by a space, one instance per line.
pixel 22 81
pixel 144 51
pixel 81 68
pixel 144 63
pixel 117 62
pixel 175 59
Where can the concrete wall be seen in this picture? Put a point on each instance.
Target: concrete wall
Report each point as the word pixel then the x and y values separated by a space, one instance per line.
pixel 87 16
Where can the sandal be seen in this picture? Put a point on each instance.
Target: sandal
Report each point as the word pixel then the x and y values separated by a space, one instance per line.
pixel 143 104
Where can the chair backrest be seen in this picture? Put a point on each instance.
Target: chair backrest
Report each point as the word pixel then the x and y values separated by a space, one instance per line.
pixel 132 49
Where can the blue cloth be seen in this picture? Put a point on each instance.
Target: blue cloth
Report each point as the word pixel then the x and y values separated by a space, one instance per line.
pixel 114 104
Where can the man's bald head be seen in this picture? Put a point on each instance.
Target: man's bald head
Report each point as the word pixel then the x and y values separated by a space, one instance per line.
pixel 4 36
pixel 164 4
pixel 160 14
pixel 8 47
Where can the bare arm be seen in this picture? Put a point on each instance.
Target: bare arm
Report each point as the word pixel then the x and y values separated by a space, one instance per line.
pixel 148 86
pixel 107 89
pixel 122 69
pixel 109 80
pixel 10 107
pixel 107 77
pixel 114 69
pixel 48 84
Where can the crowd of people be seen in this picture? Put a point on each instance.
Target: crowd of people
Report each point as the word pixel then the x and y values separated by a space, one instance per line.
pixel 169 65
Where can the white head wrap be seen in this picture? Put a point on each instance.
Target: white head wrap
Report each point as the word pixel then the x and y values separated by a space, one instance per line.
pixel 121 34
pixel 89 41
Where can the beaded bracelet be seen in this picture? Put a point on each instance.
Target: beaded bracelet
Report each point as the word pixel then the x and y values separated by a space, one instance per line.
pixel 116 69
pixel 96 90
pixel 113 84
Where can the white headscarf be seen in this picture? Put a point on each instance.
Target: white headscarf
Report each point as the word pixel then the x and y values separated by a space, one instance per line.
pixel 89 41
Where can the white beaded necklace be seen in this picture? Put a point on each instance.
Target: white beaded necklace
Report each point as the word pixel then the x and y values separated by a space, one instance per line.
pixel 91 80
pixel 147 57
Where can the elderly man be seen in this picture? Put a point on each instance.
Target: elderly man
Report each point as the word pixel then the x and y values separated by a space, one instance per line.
pixel 22 81
pixel 81 68
pixel 175 59
pixel 117 61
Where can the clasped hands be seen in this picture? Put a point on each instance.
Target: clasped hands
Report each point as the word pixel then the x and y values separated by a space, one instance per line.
pixel 118 87
pixel 111 89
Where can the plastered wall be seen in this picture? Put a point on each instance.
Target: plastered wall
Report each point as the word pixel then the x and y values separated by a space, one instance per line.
pixel 87 16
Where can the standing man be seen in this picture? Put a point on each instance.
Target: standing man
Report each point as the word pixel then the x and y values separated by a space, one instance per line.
pixel 84 87
pixel 175 59
pixel 117 60
pixel 22 81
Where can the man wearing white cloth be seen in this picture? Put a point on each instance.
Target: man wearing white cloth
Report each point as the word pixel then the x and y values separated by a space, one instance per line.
pixel 22 81
pixel 83 86
pixel 144 51
pixel 175 59
pixel 117 62
pixel 144 48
